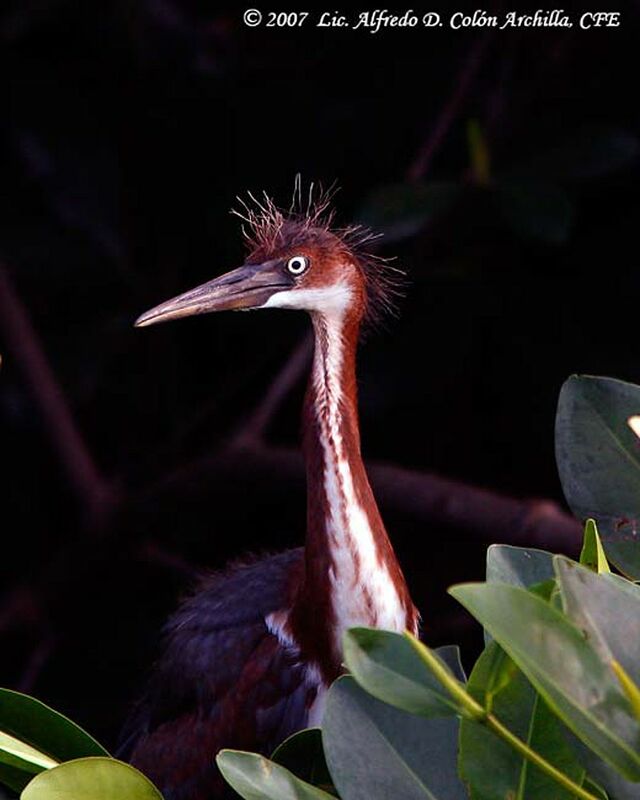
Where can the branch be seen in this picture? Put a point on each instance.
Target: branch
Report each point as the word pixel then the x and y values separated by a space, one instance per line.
pixel 254 430
pixel 86 480
pixel 437 502
pixel 450 110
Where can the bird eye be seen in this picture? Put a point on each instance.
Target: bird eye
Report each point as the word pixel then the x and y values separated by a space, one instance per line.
pixel 297 265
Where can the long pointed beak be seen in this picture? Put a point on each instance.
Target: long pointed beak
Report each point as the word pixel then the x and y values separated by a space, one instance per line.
pixel 249 286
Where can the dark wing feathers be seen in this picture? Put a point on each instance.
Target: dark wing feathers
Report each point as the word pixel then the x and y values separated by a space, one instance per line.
pixel 244 592
pixel 223 681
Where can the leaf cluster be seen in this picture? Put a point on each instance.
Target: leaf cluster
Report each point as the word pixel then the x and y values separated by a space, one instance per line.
pixel 550 710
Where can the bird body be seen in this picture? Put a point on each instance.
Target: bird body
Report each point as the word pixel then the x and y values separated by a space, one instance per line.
pixel 250 655
pixel 223 680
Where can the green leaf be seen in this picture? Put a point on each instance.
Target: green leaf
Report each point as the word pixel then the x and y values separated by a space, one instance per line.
pixel 377 752
pixel 607 777
pixel 35 724
pixel 629 586
pixel 605 610
pixel 518 566
pixel 629 687
pixel 598 457
pixel 13 778
pixel 388 667
pixel 592 554
pixel 256 778
pixel 91 779
pixel 23 757
pixel 450 655
pixel 491 767
pixel 401 210
pixel 591 786
pixel 535 210
pixel 303 755
pixel 563 666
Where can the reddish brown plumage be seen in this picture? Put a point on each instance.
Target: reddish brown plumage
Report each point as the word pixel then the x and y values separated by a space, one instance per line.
pixel 308 227
pixel 252 650
pixel 312 617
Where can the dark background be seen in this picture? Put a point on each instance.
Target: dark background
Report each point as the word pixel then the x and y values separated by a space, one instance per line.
pixel 503 167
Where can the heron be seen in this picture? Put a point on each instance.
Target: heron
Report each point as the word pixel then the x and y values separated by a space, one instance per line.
pixel 250 654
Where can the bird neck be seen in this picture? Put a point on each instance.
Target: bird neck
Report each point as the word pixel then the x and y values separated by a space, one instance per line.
pixel 351 576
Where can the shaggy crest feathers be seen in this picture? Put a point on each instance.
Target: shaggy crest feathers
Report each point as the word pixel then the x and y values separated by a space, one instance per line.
pixel 268 229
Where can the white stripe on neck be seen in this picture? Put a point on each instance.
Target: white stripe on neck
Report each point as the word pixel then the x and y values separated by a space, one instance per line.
pixel 362 590
pixel 347 525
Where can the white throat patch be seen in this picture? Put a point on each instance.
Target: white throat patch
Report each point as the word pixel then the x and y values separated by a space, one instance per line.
pixel 329 300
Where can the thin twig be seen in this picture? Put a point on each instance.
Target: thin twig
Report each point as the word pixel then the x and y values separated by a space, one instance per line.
pixel 497 98
pixel 287 377
pixel 90 486
pixel 450 110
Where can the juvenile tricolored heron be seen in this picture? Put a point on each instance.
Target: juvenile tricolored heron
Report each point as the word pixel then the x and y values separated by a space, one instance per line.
pixel 250 654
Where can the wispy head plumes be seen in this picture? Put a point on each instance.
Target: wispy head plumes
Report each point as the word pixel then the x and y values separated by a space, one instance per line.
pixel 268 229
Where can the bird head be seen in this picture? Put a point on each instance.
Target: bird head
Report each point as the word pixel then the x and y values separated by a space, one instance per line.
pixel 296 260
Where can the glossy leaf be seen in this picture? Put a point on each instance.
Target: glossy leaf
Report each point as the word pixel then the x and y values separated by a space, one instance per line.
pixel 13 778
pixel 377 752
pixel 609 613
pixel 527 567
pixel 563 666
pixel 629 687
pixel 592 554
pixel 254 777
pixel 450 655
pixel 303 755
pixel 91 779
pixel 388 667
pixel 34 723
pixel 576 591
pixel 518 566
pixel 631 587
pixel 596 789
pixel 21 756
pixel 491 767
pixel 401 210
pixel 606 776
pixel 598 457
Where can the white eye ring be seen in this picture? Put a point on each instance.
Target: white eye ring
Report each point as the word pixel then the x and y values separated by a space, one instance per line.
pixel 297 264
